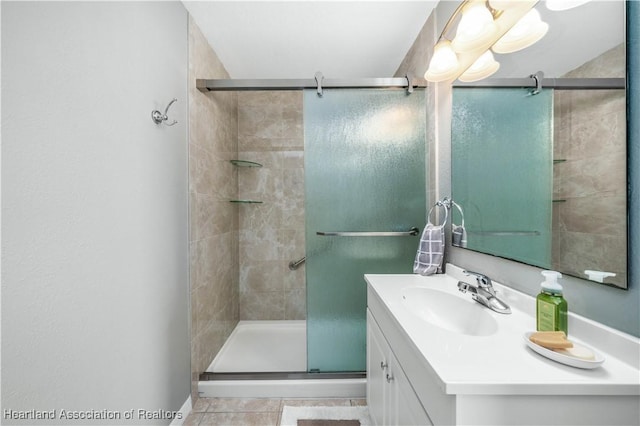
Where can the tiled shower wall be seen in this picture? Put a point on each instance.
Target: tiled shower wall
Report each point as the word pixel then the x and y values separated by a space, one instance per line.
pixel 590 134
pixel 271 132
pixel 213 240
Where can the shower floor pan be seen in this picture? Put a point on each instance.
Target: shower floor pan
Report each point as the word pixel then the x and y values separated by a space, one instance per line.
pixel 268 359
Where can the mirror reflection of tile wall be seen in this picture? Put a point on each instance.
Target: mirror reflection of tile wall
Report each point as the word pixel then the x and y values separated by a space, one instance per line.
pixel 271 132
pixel 589 221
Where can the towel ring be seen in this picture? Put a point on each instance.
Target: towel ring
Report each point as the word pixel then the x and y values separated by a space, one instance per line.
pixel 446 212
pixel 460 210
pixel 159 117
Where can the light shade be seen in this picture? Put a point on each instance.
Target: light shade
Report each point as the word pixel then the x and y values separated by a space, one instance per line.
pixel 444 63
pixel 528 30
pixel 483 67
pixel 476 28
pixel 564 4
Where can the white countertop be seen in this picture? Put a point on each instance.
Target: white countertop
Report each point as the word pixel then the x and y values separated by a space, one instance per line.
pixel 502 363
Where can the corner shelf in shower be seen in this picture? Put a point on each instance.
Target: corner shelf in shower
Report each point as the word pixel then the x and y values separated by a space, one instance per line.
pixel 244 163
pixel 559 200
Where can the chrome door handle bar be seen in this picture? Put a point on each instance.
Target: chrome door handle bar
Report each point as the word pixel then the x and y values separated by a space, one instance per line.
pixel 411 232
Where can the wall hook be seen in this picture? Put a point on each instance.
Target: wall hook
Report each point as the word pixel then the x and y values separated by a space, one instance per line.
pixel 159 117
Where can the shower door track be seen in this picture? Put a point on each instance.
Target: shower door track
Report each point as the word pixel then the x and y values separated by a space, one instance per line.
pixel 319 82
pixel 549 83
pixel 208 376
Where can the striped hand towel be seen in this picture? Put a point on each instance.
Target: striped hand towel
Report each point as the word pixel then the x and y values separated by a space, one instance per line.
pixel 430 251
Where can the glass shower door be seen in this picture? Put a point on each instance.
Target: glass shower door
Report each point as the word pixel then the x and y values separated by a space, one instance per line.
pixel 364 174
pixel 503 139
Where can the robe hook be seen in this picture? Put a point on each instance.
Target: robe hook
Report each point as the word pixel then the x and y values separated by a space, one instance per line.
pixel 159 117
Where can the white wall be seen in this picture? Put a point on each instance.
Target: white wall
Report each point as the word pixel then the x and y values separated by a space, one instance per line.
pixel 94 208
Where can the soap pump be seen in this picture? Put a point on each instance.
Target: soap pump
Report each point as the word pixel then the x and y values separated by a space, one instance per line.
pixel 551 307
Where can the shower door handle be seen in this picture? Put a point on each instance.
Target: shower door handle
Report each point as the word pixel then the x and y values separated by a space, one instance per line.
pixel 411 232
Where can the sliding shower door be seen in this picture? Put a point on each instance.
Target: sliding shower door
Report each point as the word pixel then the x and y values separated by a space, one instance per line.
pixel 365 191
pixel 503 138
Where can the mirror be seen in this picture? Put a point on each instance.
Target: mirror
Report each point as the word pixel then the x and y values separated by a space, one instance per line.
pixel 541 179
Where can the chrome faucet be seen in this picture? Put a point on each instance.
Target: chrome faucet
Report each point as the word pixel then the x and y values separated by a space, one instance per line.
pixel 484 293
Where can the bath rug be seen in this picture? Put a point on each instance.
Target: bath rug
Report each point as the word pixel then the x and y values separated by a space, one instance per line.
pixel 291 415
pixel 305 422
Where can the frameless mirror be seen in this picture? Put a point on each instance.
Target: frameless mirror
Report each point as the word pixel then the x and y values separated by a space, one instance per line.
pixel 541 179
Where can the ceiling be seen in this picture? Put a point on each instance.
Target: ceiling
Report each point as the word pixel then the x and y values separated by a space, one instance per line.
pixel 352 39
pixel 296 39
pixel 575 37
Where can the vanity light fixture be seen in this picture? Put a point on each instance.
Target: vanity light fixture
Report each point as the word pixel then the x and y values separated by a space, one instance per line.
pixel 501 4
pixel 476 27
pixel 564 4
pixel 444 63
pixel 483 24
pixel 527 31
pixel 483 67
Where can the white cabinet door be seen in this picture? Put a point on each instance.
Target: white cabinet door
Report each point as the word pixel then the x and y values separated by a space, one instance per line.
pixel 376 371
pixel 390 397
pixel 408 409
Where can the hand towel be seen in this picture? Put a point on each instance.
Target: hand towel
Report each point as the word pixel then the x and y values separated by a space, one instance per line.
pixel 430 251
pixel 458 232
pixel 459 236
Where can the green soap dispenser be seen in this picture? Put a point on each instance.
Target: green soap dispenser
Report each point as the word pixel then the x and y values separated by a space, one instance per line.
pixel 551 308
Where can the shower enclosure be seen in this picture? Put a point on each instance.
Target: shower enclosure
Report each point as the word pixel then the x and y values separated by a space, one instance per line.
pixel 364 206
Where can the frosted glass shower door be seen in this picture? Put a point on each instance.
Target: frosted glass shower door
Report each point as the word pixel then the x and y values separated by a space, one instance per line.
pixel 364 172
pixel 502 171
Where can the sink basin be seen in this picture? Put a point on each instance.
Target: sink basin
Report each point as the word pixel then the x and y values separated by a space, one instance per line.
pixel 449 312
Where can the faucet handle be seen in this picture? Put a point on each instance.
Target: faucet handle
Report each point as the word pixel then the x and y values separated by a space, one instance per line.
pixel 483 280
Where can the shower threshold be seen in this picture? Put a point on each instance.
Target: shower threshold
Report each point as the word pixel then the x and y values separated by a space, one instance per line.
pixel 281 376
pixel 250 366
pixel 282 385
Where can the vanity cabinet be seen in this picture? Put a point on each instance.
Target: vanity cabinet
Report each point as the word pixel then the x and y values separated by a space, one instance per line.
pixel 420 374
pixel 390 397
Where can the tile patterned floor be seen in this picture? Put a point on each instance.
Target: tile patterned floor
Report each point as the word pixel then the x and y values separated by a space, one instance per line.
pixel 253 411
